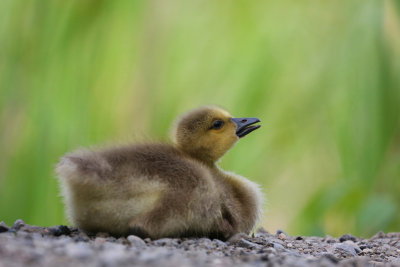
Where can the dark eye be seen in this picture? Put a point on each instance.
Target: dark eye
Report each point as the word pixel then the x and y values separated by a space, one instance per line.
pixel 217 124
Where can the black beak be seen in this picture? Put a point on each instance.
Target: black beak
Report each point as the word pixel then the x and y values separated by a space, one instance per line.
pixel 245 126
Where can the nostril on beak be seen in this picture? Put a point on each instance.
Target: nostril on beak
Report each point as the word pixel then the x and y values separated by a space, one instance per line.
pixel 244 120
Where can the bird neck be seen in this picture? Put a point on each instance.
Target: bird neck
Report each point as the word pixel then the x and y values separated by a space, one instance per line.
pixel 201 154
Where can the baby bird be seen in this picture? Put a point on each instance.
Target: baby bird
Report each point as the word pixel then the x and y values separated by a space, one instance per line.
pixel 164 190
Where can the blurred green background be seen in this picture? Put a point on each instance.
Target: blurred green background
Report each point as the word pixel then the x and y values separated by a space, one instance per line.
pixel 323 76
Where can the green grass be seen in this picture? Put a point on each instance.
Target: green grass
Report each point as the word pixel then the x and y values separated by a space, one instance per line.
pixel 323 76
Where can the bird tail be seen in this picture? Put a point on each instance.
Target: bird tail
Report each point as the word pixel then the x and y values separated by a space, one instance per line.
pixel 83 166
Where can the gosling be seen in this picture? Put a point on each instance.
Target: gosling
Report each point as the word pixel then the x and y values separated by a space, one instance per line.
pixel 160 190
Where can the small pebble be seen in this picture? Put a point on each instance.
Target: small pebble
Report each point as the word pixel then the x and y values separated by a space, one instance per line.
pixel 81 237
pixel 282 236
pixel 368 250
pixel 219 243
pixel 3 227
pixel 346 247
pixel 380 234
pixel 245 244
pixel 347 237
pixel 277 246
pixel 59 230
pixel 18 224
pixel 237 237
pixel 162 242
pixel 278 232
pixel 136 241
pixel 364 246
pixel 354 245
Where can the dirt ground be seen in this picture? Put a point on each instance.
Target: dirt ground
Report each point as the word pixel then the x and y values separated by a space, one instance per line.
pixel 27 245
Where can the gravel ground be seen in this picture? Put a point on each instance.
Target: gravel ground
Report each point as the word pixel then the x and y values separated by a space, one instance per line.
pixel 27 245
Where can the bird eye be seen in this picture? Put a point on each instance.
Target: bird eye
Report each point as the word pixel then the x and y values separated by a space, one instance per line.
pixel 217 124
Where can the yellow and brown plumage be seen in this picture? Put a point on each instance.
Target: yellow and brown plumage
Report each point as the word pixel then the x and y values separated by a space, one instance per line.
pixel 164 190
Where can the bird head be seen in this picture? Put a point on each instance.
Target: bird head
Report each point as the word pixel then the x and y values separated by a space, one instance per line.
pixel 207 133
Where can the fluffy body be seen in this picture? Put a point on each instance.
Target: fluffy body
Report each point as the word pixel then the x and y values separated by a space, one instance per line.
pixel 162 190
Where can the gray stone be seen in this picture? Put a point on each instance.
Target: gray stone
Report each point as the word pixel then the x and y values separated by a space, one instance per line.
pixel 18 224
pixel 245 244
pixel 162 242
pixel 3 227
pixel 346 248
pixel 136 241
pixel 237 237
pixel 347 237
pixel 59 230
pixel 380 234
pixel 277 246
pixel 219 243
